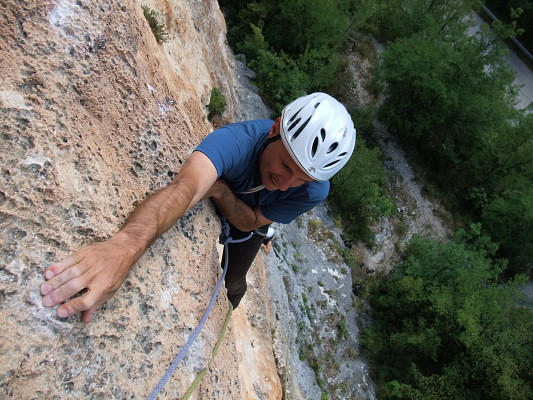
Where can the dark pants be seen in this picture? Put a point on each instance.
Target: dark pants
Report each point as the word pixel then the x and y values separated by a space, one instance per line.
pixel 240 258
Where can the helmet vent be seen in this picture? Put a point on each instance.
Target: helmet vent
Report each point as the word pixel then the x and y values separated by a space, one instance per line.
pixel 315 146
pixel 323 134
pixel 317 104
pixel 300 129
pixel 331 164
pixel 295 114
pixel 294 124
pixel 332 147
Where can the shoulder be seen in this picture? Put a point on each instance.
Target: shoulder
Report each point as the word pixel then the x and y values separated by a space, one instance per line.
pixel 246 133
pixel 234 146
pixel 257 126
pixel 317 191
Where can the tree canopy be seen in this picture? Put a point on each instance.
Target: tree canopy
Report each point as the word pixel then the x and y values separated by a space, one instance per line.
pixel 445 329
pixel 449 96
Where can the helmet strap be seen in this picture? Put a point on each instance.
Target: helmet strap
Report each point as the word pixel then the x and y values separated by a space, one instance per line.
pixel 270 140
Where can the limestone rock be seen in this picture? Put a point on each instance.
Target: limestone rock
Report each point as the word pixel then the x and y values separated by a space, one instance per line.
pixel 94 116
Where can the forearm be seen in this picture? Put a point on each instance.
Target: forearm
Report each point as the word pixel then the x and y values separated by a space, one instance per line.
pixel 238 213
pixel 162 209
pixel 154 217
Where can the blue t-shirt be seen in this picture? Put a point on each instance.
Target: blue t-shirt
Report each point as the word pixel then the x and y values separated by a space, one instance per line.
pixel 234 150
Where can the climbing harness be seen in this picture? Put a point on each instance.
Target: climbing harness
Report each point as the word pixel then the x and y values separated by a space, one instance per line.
pixel 224 239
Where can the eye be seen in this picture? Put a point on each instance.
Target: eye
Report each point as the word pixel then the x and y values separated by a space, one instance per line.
pixel 286 167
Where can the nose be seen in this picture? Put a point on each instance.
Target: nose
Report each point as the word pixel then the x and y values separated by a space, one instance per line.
pixel 286 182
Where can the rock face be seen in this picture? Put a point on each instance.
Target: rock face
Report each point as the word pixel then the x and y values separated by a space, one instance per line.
pixel 94 116
pixel 315 312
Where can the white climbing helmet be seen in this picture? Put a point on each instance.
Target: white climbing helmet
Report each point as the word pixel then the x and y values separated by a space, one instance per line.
pixel 319 134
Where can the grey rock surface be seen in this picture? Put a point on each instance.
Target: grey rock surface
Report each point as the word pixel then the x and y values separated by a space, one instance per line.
pixel 310 296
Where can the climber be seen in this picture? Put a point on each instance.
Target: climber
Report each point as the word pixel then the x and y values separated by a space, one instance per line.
pixel 253 178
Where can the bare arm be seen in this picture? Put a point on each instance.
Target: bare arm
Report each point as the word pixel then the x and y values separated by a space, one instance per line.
pixel 238 213
pixel 102 267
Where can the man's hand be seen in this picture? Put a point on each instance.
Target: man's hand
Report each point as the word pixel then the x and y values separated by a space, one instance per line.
pixel 100 268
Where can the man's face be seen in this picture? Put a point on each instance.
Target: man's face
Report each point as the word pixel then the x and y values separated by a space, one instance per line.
pixel 278 169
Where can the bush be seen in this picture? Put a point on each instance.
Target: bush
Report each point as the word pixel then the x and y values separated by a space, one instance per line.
pixel 158 28
pixel 292 45
pixel 279 78
pixel 508 219
pixel 358 193
pixel 217 103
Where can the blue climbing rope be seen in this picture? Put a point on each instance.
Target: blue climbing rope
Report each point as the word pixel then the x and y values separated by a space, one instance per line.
pixel 224 239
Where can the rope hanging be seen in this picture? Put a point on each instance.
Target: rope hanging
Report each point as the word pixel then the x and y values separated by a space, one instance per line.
pixel 213 354
pixel 224 239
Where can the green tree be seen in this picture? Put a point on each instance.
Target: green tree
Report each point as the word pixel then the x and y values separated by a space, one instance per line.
pixel 358 194
pixel 240 15
pixel 302 25
pixel 508 218
pixel 444 328
pixel 442 99
pixel 279 78
pixel 320 65
pixel 520 11
pixel 361 16
pixel 253 43
pixel 449 97
pixel 401 18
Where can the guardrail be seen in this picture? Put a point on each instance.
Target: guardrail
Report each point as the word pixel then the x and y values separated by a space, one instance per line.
pixel 520 45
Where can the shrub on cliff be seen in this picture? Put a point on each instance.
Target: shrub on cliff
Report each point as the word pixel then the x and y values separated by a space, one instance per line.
pixel 158 28
pixel 217 103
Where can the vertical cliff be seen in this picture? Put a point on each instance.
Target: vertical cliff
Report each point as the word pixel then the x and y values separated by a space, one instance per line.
pixel 94 116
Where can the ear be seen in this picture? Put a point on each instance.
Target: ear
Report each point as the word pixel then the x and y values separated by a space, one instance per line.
pixel 274 130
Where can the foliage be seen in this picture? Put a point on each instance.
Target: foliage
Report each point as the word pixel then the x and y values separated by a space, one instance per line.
pixel 277 75
pixel 320 65
pixel 307 24
pixel 441 98
pixel 279 78
pixel 342 328
pixel 293 45
pixel 403 18
pixel 518 11
pixel 450 99
pixel 363 118
pixel 361 16
pixel 217 103
pixel 357 192
pixel 158 28
pixel 508 217
pixel 445 329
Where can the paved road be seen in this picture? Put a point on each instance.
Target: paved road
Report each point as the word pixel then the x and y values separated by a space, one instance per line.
pixel 524 76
